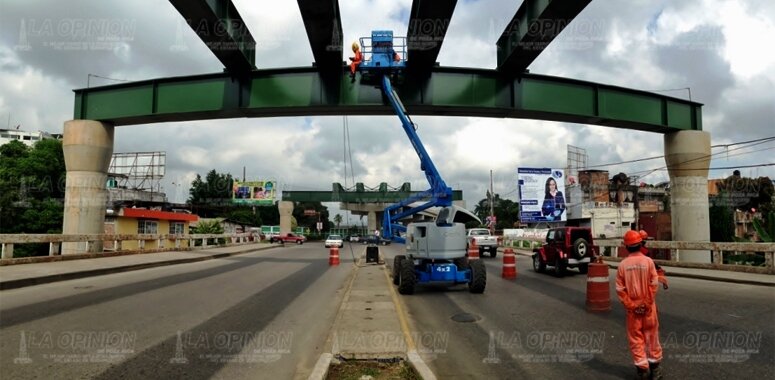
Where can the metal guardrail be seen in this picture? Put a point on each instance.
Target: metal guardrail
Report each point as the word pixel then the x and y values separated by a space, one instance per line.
pixel 7 241
pixel 717 250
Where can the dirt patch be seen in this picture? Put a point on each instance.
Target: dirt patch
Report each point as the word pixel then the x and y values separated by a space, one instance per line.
pixel 372 369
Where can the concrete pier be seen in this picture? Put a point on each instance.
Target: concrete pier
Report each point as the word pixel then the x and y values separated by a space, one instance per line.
pixel 687 154
pixel 88 147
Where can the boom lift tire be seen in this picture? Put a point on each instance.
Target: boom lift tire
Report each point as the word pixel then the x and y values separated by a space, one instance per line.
pixel 397 268
pixel 407 279
pixel 478 277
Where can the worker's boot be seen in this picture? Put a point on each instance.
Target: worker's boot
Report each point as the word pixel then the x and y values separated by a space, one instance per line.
pixel 656 371
pixel 642 374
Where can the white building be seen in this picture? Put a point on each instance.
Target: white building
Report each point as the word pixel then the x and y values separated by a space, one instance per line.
pixel 28 138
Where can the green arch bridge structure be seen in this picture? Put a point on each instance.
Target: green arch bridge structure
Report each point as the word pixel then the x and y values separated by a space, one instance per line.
pixel 244 89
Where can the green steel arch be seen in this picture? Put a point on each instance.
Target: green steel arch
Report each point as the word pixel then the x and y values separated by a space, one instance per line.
pixel 446 91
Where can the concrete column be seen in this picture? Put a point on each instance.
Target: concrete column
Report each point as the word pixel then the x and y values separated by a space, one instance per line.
pixel 88 146
pixel 286 213
pixel 687 154
pixel 373 223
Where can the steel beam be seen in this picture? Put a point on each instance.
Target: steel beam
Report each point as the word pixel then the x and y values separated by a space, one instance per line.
pixel 222 29
pixel 324 30
pixel 446 92
pixel 356 196
pixel 535 25
pixel 428 24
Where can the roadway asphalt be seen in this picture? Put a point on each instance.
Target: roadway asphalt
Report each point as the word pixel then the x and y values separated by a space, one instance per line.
pixel 265 314
pixel 268 314
pixel 537 326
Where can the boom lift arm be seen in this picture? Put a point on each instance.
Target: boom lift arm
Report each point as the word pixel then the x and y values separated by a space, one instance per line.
pixel 383 60
pixel 438 195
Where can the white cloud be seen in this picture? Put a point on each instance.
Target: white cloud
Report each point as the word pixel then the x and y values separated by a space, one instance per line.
pixel 719 48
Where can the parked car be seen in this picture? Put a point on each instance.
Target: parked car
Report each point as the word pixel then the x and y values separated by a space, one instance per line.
pixel 375 240
pixel 353 237
pixel 565 247
pixel 484 240
pixel 334 241
pixel 288 238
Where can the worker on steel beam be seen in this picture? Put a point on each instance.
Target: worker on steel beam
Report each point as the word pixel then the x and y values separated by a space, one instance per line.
pixel 356 60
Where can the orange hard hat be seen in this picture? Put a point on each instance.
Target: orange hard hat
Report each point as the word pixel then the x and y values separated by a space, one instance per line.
pixel 643 234
pixel 632 237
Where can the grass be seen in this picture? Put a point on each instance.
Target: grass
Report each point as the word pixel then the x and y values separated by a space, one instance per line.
pixel 371 369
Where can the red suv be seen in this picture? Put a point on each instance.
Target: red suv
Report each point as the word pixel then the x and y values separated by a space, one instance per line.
pixel 287 238
pixel 565 247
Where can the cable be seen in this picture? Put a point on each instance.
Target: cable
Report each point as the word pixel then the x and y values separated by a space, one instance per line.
pixel 662 156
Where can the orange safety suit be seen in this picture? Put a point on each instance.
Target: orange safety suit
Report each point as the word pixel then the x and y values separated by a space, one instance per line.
pixel 661 277
pixel 356 61
pixel 636 286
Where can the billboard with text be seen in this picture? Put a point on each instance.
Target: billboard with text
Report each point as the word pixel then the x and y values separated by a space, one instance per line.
pixel 255 193
pixel 541 194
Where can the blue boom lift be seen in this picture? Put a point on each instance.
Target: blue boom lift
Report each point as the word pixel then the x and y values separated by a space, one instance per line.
pixel 435 251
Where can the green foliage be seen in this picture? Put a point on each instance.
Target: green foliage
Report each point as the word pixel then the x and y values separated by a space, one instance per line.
pixel 766 230
pixel 32 187
pixel 506 212
pixel 245 216
pixel 747 193
pixel 722 224
pixel 209 227
pixel 337 220
pixel 214 190
pixel 310 221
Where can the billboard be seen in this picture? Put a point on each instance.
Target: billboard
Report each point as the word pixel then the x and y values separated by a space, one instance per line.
pixel 255 193
pixel 541 194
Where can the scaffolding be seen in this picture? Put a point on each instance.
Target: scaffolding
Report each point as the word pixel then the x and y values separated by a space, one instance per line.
pixel 137 170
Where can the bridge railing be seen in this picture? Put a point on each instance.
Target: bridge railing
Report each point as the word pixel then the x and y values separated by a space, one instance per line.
pixel 115 242
pixel 744 257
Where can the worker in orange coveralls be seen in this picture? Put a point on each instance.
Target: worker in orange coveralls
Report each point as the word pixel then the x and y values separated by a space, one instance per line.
pixel 660 272
pixel 636 286
pixel 356 60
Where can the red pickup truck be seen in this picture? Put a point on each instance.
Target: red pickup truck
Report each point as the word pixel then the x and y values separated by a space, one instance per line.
pixel 288 238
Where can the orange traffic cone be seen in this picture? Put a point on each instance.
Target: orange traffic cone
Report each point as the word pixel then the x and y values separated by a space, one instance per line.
pixel 598 288
pixel 333 256
pixel 473 251
pixel 509 264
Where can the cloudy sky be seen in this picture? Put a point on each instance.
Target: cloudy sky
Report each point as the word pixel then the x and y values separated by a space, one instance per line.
pixel 721 50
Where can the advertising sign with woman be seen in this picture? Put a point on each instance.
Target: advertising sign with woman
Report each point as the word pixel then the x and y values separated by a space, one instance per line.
pixel 541 195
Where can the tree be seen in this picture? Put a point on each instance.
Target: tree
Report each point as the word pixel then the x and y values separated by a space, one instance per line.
pixel 506 212
pixel 747 193
pixel 722 224
pixel 305 220
pixel 32 188
pixel 244 215
pixel 214 190
pixel 337 219
pixel 213 227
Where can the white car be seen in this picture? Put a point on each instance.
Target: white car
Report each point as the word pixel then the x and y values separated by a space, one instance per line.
pixel 334 241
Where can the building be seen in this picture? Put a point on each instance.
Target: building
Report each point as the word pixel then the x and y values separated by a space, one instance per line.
pixel 28 138
pixel 596 202
pixel 132 221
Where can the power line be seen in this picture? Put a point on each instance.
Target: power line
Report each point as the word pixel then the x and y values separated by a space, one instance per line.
pixel 662 156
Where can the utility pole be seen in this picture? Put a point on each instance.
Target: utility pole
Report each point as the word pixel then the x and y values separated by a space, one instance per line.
pixel 492 196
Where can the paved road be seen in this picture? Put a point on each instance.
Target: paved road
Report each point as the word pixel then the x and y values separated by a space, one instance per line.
pixel 537 327
pixel 264 314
